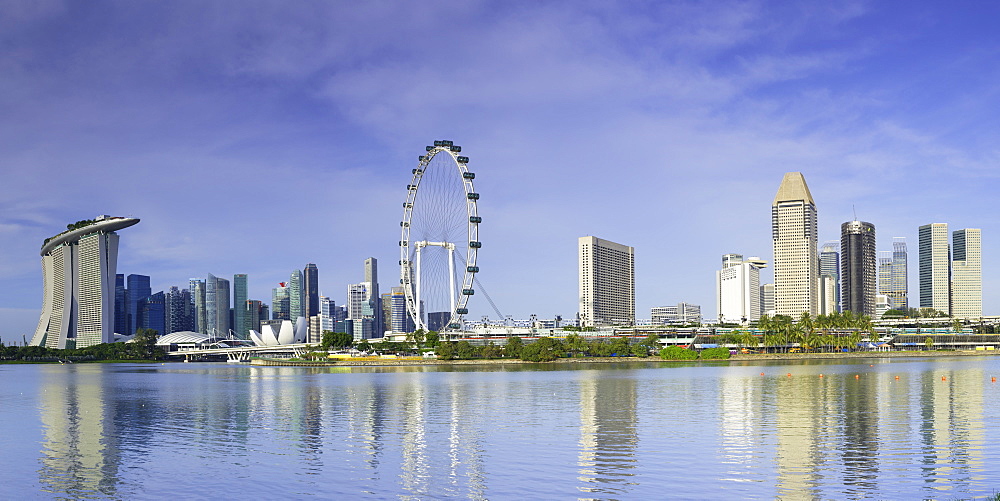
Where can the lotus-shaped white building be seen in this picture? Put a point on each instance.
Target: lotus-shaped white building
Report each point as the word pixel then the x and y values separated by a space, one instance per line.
pixel 283 333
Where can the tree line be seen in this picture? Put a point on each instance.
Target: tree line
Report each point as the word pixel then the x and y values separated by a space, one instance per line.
pixel 838 330
pixel 142 347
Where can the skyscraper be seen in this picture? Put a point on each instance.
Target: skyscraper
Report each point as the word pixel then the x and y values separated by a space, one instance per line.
pixel 607 282
pixel 253 313
pixel 280 302
pixel 892 275
pixel 121 305
pixel 296 308
pixel 180 310
pixel 796 265
pixel 858 268
pixel 311 290
pixel 935 269
pixel 401 319
pixel 240 324
pixel 79 268
pixel 138 291
pixel 197 288
pixel 154 313
pixel 967 274
pixel 737 288
pixel 217 306
pixel 829 265
pixel 371 277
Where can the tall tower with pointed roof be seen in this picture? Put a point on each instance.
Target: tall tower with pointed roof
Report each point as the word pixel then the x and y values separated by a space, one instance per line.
pixel 796 263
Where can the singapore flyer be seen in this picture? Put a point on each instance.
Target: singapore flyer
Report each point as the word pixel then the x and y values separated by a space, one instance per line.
pixel 440 239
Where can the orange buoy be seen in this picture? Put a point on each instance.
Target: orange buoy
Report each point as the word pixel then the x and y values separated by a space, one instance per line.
pixel 871 365
pixel 856 376
pixel 820 375
pixel 761 373
pixel 897 377
pixel 994 379
pixel 944 378
pixel 789 374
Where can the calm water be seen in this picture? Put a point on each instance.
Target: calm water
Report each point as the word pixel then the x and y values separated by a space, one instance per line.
pixel 589 431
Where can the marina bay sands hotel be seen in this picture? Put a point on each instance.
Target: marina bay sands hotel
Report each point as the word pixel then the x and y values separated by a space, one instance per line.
pixel 78 270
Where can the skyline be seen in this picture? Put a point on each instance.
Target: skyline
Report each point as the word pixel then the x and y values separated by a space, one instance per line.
pixel 238 135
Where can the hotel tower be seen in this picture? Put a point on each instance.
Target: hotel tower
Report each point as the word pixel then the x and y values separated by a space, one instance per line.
pixel 607 283
pixel 796 264
pixel 78 274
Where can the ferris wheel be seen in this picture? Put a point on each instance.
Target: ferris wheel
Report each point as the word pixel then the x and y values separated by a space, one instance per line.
pixel 440 238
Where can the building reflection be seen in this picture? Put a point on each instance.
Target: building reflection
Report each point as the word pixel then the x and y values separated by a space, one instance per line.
pixel 80 456
pixel 805 413
pixel 608 436
pixel 951 430
pixel 742 408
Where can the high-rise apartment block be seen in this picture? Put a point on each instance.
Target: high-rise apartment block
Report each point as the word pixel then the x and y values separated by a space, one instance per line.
pixel 607 282
pixel 79 269
pixel 794 232
pixel 737 289
pixel 935 267
pixel 858 267
pixel 967 274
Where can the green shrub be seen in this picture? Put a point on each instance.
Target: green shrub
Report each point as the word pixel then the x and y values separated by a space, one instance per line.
pixel 715 354
pixel 677 353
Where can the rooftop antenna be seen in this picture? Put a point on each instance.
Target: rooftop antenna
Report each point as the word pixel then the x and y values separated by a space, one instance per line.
pixel 855 212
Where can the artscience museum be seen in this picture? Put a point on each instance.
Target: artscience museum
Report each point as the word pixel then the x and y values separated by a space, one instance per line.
pixel 279 332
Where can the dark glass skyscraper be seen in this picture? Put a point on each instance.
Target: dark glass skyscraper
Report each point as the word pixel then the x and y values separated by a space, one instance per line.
pixel 138 290
pixel 121 305
pixel 239 306
pixel 311 290
pixel 154 313
pixel 858 267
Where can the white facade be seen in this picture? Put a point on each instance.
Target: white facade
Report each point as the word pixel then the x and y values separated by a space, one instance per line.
pixel 358 296
pixel 767 300
pixel 967 274
pixel 796 263
pixel 683 313
pixel 278 332
pixel 827 294
pixel 737 289
pixel 78 273
pixel 607 282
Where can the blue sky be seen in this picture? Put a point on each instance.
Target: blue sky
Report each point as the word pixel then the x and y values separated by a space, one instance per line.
pixel 255 137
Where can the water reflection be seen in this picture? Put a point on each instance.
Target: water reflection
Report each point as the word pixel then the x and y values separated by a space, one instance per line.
pixel 608 437
pixel 79 456
pixel 857 432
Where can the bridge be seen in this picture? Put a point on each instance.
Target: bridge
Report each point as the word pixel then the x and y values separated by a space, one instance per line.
pixel 240 353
